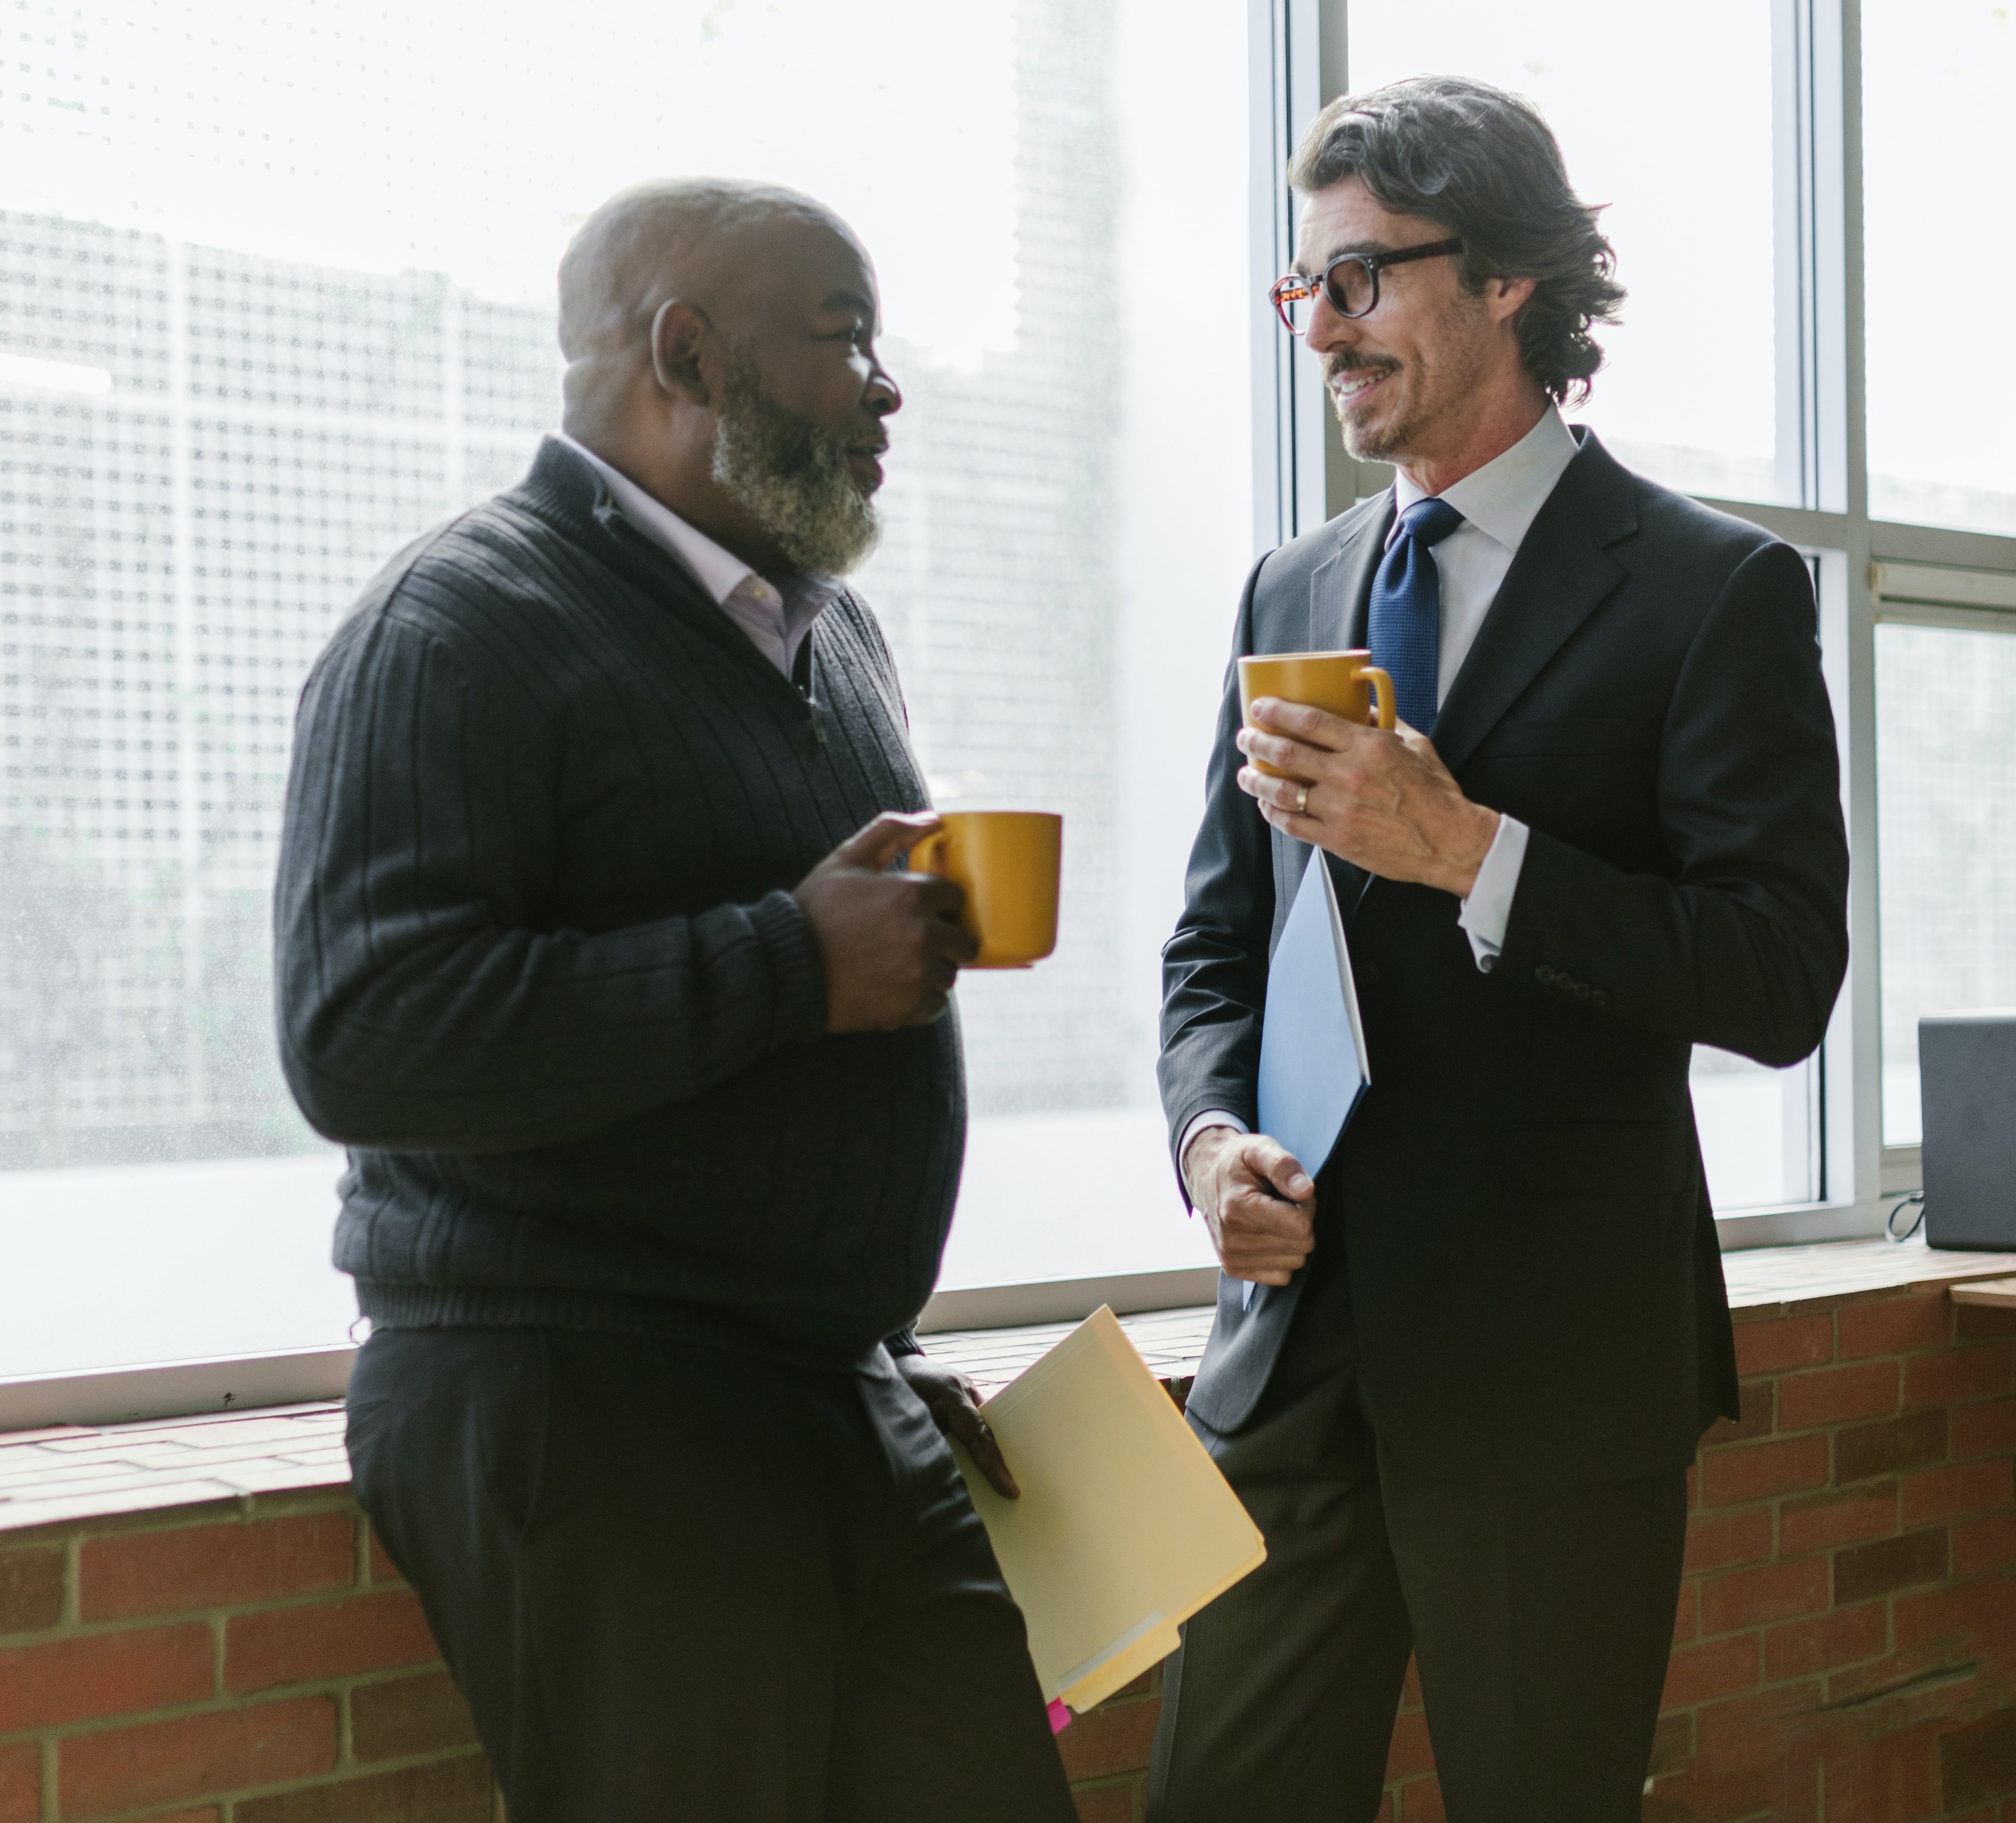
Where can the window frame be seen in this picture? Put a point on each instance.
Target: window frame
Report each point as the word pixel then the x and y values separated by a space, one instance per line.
pixel 1298 60
pixel 1823 470
pixel 1957 598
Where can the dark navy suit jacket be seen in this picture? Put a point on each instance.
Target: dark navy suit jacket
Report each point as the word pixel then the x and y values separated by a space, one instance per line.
pixel 1519 1207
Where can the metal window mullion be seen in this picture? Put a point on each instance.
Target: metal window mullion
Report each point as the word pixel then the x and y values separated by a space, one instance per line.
pixel 1933 544
pixel 1807 200
pixel 1792 218
pixel 1273 413
pixel 1863 1098
pixel 1309 502
pixel 1297 53
pixel 1285 52
pixel 2001 622
pixel 1840 478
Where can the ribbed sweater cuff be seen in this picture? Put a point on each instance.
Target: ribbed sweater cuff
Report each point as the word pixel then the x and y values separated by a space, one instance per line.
pixel 795 967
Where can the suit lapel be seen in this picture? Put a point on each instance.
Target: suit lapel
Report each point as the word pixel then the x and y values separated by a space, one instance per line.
pixel 1339 585
pixel 1561 574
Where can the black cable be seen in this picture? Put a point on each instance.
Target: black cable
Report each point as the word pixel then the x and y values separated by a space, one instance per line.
pixel 1890 1220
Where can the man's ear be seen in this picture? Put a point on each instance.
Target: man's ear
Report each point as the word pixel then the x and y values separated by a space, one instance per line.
pixel 678 331
pixel 1505 297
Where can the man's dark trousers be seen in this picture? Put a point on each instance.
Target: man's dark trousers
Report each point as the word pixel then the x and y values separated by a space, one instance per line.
pixel 1541 1615
pixel 1513 1328
pixel 678 1582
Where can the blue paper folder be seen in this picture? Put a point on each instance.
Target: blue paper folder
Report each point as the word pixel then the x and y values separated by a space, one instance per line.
pixel 1313 1065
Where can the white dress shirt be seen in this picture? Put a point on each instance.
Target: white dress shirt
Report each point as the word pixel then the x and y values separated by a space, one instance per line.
pixel 776 624
pixel 1498 502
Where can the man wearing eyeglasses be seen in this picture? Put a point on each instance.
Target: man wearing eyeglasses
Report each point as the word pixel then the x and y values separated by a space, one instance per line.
pixel 1459 1377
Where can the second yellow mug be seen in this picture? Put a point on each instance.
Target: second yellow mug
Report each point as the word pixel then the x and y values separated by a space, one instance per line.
pixel 1339 683
pixel 1010 863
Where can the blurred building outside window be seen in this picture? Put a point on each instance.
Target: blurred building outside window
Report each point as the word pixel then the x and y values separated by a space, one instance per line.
pixel 275 297
pixel 1938 139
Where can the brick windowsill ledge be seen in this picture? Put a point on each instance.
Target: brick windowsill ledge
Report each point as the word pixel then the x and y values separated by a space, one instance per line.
pixel 196 1625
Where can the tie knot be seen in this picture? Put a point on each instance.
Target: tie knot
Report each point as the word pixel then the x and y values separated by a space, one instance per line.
pixel 1429 520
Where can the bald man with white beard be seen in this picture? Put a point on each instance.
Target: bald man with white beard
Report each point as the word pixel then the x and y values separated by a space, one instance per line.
pixel 590 950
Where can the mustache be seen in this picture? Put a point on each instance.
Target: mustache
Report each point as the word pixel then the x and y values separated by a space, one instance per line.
pixel 1350 360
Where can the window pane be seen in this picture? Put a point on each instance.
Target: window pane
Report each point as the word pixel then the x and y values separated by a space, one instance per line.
pixel 1939 142
pixel 1678 224
pixel 275 295
pixel 1760 1130
pixel 1946 790
pixel 1683 164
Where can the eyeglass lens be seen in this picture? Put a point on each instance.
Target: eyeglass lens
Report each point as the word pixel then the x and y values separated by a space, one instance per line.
pixel 1352 287
pixel 1352 291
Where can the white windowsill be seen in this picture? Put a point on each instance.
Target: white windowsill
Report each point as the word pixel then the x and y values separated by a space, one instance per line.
pixel 154 1390
pixel 1060 1213
pixel 50 1474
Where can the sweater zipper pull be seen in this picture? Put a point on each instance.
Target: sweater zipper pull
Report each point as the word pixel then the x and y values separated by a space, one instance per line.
pixel 817 719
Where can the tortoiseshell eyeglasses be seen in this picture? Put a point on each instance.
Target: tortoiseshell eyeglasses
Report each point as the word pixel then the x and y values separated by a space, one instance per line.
pixel 1350 283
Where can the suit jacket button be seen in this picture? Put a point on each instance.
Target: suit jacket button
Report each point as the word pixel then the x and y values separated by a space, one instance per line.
pixel 1544 975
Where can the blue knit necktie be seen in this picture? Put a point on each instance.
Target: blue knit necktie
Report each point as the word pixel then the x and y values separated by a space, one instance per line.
pixel 1405 627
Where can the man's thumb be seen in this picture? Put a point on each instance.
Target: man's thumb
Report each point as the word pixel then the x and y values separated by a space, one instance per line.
pixel 875 846
pixel 1287 1175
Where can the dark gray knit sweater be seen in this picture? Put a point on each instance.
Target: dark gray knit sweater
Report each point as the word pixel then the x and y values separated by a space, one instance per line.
pixel 538 965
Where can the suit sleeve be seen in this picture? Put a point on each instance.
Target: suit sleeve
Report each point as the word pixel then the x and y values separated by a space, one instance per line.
pixel 1745 946
pixel 422 1004
pixel 1214 968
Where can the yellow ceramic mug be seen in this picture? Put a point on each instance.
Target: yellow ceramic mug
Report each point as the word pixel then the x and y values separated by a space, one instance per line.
pixel 1008 862
pixel 1340 682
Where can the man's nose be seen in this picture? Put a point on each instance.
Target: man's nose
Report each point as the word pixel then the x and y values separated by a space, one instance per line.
pixel 883 396
pixel 1329 329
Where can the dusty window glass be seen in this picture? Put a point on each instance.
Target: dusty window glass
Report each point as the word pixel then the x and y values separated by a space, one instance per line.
pixel 276 295
pixel 1682 165
pixel 1760 1130
pixel 1946 795
pixel 1939 142
pixel 1692 233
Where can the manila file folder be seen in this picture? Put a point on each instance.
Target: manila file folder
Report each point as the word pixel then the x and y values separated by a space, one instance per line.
pixel 1125 1527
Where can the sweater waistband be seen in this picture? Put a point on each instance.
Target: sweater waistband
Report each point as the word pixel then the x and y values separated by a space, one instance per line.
pixel 397 1306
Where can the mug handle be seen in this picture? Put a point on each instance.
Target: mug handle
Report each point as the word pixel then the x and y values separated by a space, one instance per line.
pixel 1387 715
pixel 926 850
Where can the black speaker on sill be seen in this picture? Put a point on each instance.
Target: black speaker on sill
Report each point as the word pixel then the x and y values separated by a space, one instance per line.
pixel 1966 1077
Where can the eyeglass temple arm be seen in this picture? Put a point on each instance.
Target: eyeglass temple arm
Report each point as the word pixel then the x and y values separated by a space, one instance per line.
pixel 1434 249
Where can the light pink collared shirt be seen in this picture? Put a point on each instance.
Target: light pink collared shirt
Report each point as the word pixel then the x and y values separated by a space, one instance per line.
pixel 776 626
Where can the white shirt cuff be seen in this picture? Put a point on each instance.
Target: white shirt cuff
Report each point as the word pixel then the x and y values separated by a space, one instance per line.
pixel 1211 1117
pixel 1489 910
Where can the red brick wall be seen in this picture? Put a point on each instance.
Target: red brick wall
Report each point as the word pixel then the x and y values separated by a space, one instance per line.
pixel 1845 1646
pixel 1844 1650
pixel 252 1661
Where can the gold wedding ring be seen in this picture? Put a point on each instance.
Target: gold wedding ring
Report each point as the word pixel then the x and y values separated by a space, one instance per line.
pixel 1302 803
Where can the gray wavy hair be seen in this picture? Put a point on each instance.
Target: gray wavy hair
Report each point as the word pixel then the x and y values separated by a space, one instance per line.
pixel 1482 163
